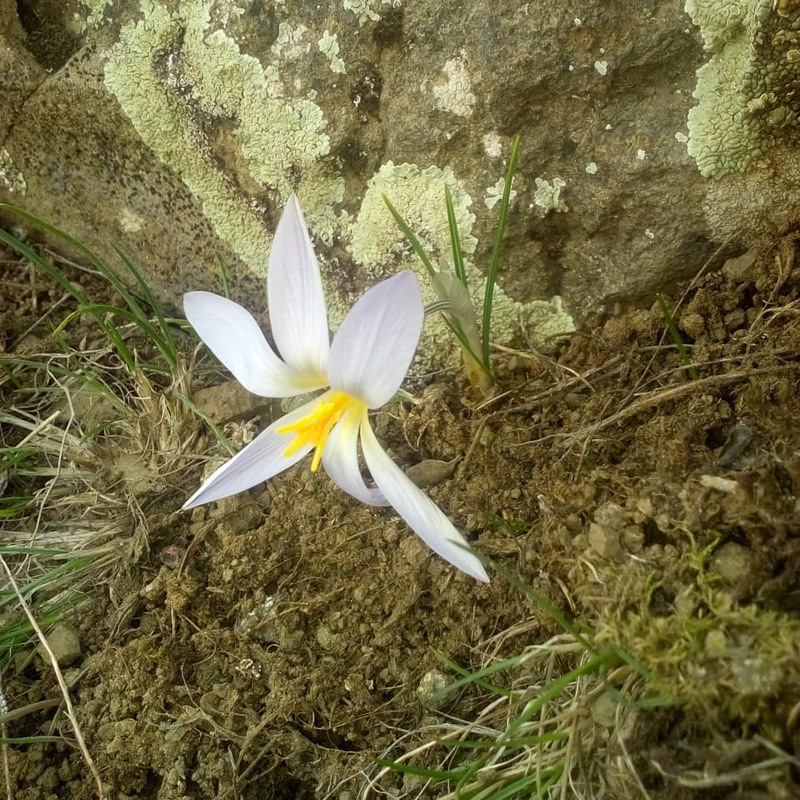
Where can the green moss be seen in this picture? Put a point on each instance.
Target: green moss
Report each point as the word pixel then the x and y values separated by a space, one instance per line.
pixel 728 663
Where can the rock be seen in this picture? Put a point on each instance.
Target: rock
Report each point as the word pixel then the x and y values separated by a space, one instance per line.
pixel 605 541
pixel 226 401
pixel 431 472
pixel 177 130
pixel 433 691
pixel 65 644
pixel 327 639
pixel 604 710
pixel 744 131
pixel 611 526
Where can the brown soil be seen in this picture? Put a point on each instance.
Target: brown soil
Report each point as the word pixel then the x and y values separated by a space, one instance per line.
pixel 272 645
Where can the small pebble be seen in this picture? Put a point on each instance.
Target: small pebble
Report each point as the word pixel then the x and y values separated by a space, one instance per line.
pixel 434 690
pixel 431 472
pixel 64 643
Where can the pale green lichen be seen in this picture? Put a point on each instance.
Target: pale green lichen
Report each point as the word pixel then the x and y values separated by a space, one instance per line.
pixel 547 196
pixel 746 91
pixel 492 144
pixel 418 194
pixel 289 43
pixel 95 10
pixel 172 75
pixel 494 193
pixel 378 245
pixel 10 177
pixel 719 21
pixel 455 95
pixel 329 47
pixel 366 9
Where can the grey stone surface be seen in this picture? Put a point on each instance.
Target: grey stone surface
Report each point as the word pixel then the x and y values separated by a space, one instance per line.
pixel 176 128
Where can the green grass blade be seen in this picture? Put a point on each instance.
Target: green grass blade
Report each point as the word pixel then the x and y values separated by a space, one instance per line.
pixel 455 237
pixel 420 772
pixel 521 786
pixel 160 335
pixel 519 743
pixel 16 634
pixel 30 739
pixel 497 249
pixel 477 677
pixel 578 631
pixel 221 438
pixel 61 279
pixel 48 227
pixel 677 339
pixel 43 552
pixel 411 236
pixel 223 273
pixel 164 340
pixel 50 579
pixel 556 687
pixel 32 256
pixel 452 321
pixel 455 328
pixel 13 507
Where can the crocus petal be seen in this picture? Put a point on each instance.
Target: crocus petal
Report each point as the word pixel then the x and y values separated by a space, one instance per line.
pixel 340 459
pixel 417 509
pixel 236 340
pixel 297 313
pixel 261 460
pixel 372 349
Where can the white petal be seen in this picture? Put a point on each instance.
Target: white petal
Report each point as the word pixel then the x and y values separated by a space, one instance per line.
pixel 340 459
pixel 417 509
pixel 371 351
pixel 297 313
pixel 261 460
pixel 234 337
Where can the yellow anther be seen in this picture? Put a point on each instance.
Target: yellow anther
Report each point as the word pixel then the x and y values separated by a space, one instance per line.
pixel 314 428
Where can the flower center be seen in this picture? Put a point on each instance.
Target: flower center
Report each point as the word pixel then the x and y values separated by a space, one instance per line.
pixel 314 427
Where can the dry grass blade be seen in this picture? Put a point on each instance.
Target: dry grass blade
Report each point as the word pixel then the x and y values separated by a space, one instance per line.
pixel 659 396
pixel 534 740
pixel 4 734
pixel 102 792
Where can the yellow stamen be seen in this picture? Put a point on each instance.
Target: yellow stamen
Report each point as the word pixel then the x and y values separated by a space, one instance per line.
pixel 314 428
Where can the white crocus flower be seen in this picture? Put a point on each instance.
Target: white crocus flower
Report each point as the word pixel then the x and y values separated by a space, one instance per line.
pixel 361 370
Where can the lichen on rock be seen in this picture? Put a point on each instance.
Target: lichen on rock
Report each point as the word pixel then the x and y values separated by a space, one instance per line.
pixel 177 80
pixel 455 94
pixel 547 196
pixel 379 246
pixel 746 91
pixel 366 9
pixel 10 176
pixel 418 194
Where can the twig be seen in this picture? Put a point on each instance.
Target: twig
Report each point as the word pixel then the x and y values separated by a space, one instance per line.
pixel 101 791
pixel 38 322
pixel 665 395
